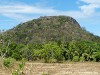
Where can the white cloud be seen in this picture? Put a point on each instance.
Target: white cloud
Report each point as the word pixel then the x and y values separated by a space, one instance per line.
pixel 24 9
pixel 91 1
pixel 17 16
pixel 25 12
pixel 90 7
pixel 20 12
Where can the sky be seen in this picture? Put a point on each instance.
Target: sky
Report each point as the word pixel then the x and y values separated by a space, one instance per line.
pixel 86 12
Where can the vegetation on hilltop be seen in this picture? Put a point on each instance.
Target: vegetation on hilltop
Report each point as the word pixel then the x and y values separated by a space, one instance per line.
pixel 50 28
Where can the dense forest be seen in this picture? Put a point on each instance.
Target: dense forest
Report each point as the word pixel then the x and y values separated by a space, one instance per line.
pixel 50 39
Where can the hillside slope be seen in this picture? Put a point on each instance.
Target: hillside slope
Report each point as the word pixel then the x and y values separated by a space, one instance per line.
pixel 50 28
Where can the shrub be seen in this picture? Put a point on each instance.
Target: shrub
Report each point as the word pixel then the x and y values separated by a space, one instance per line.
pixel 86 56
pixel 7 62
pixel 82 59
pixel 76 58
pixel 16 56
pixel 97 57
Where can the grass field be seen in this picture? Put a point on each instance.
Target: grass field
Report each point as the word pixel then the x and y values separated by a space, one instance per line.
pixel 68 68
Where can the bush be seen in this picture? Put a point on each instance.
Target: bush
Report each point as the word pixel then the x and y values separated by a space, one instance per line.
pixel 82 59
pixel 7 62
pixel 97 57
pixel 16 56
pixel 86 56
pixel 76 58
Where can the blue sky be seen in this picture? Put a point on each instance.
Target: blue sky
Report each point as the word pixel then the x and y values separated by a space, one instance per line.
pixel 86 12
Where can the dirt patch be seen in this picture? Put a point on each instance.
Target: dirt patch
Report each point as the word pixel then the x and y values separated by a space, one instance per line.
pixel 71 68
pixel 87 68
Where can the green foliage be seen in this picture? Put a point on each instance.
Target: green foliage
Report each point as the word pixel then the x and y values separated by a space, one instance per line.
pixel 82 59
pixel 86 56
pixel 76 58
pixel 16 56
pixel 27 53
pixel 8 62
pixel 55 52
pixel 97 56
pixel 52 50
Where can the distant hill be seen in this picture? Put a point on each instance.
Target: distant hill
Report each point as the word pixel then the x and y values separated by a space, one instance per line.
pixel 50 28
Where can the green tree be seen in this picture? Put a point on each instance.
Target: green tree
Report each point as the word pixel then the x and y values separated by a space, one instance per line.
pixel 52 50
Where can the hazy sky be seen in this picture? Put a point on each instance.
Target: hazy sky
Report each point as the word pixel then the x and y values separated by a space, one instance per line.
pixel 86 12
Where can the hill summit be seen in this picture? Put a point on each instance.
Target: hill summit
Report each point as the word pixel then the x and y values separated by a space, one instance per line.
pixel 50 28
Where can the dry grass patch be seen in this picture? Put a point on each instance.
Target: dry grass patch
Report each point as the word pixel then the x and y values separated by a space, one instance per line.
pixel 68 68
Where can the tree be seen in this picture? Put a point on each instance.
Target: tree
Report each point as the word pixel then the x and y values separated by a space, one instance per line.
pixel 4 43
pixel 71 50
pixel 27 53
pixel 52 50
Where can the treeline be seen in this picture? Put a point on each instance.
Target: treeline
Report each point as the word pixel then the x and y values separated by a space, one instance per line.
pixel 54 51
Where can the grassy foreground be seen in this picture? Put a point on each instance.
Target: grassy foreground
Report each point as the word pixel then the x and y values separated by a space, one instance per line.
pixel 68 68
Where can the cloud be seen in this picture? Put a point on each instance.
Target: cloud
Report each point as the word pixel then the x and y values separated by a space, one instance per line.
pixel 24 12
pixel 90 7
pixel 14 12
pixel 17 16
pixel 91 1
pixel 21 11
pixel 17 11
pixel 25 9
